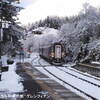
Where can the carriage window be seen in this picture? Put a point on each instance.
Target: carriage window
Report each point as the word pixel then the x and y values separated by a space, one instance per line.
pixel 58 51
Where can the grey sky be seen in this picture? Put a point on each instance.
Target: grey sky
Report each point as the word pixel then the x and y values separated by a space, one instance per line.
pixel 25 3
pixel 40 9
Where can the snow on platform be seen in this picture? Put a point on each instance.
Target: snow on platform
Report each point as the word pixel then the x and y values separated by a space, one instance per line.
pixel 11 81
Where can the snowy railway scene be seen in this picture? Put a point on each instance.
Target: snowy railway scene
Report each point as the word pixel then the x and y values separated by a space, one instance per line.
pixel 49 50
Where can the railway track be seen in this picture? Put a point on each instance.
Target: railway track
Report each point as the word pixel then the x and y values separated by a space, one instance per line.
pixel 87 75
pixel 71 85
pixel 60 90
pixel 90 81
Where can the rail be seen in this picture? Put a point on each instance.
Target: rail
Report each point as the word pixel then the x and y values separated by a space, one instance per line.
pixel 44 67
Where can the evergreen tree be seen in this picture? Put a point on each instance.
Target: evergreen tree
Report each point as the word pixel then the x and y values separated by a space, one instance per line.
pixel 8 16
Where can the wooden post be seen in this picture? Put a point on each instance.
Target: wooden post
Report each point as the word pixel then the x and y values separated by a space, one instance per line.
pixel 0 76
pixel 0 73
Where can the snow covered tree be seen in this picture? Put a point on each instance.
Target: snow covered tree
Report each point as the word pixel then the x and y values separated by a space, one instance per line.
pixel 50 22
pixel 82 30
pixel 8 16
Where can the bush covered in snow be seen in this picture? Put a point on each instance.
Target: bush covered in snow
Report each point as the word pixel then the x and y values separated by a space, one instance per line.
pixel 35 41
pixel 82 30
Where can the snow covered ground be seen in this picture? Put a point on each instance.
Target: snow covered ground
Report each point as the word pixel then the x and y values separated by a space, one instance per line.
pixel 80 84
pixel 10 80
pixel 95 62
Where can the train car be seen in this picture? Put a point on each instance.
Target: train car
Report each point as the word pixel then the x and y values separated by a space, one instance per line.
pixel 54 53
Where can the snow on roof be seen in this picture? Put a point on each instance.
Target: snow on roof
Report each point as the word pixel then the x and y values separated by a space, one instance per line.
pixel 46 30
pixel 49 35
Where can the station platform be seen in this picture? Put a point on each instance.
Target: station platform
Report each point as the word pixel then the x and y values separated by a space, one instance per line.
pixel 55 90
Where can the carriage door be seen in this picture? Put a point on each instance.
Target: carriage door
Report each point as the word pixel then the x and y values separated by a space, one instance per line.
pixel 57 51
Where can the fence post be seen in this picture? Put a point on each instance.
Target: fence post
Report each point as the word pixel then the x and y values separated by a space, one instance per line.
pixel 0 73
pixel 0 67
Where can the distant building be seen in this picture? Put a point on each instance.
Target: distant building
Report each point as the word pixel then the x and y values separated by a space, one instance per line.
pixel 37 32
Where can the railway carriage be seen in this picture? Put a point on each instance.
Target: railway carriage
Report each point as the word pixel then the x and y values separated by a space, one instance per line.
pixel 55 53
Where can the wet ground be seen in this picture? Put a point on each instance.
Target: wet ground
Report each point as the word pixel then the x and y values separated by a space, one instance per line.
pixel 32 91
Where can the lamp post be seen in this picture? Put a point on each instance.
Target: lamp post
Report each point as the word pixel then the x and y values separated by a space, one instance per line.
pixel 1 36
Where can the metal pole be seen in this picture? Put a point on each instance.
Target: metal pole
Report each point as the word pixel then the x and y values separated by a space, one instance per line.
pixel 1 31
